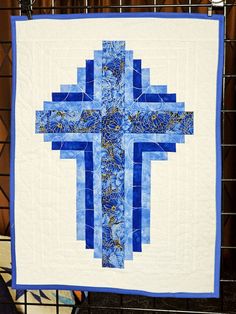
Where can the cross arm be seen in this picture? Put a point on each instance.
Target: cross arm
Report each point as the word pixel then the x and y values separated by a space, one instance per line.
pixel 67 121
pixel 159 122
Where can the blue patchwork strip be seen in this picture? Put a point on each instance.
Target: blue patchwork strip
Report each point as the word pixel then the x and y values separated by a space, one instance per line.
pixel 77 106
pixel 72 137
pixel 129 100
pixel 145 78
pixel 97 77
pixel 97 197
pixel 156 89
pixel 81 79
pixel 80 196
pixel 133 108
pixel 86 146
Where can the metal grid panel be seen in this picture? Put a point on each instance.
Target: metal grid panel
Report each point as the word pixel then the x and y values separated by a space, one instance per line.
pixel 115 303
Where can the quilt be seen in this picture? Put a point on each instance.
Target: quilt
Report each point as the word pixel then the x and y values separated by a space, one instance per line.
pixel 115 153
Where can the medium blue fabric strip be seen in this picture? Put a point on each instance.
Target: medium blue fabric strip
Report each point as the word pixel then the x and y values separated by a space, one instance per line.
pixel 160 106
pixel 80 196
pixel 150 137
pixel 72 137
pixel 89 204
pixel 156 89
pixel 71 105
pixel 145 78
pixel 97 197
pixel 87 146
pixel 128 204
pixel 81 79
pixel 71 154
pixel 73 88
pixel 129 99
pixel 98 77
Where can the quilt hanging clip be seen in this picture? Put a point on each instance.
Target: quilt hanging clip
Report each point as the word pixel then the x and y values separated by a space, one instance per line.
pixel 27 7
pixel 216 4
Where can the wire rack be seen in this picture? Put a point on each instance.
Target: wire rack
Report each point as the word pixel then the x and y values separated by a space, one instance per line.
pixel 116 303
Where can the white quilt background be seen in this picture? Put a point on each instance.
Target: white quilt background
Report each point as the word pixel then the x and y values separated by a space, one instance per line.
pixel 182 54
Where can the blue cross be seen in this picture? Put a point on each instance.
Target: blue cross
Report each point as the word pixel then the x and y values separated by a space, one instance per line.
pixel 113 122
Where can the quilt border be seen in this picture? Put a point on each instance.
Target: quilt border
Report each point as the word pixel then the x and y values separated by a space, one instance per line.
pixel 220 18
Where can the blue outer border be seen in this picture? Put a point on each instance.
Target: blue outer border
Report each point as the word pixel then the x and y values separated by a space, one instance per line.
pixel 219 18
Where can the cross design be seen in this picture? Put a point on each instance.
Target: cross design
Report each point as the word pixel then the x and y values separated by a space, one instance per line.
pixel 113 123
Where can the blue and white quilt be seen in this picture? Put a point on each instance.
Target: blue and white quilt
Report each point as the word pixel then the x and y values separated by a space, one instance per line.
pixel 115 164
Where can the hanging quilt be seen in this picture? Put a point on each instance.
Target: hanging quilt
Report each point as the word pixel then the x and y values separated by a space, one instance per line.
pixel 115 161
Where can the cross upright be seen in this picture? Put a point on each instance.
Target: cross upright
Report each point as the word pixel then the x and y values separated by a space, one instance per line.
pixel 113 122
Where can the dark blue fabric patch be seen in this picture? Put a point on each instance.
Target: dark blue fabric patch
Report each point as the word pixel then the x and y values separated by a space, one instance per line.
pixel 89 229
pixel 90 78
pixel 137 231
pixel 137 79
